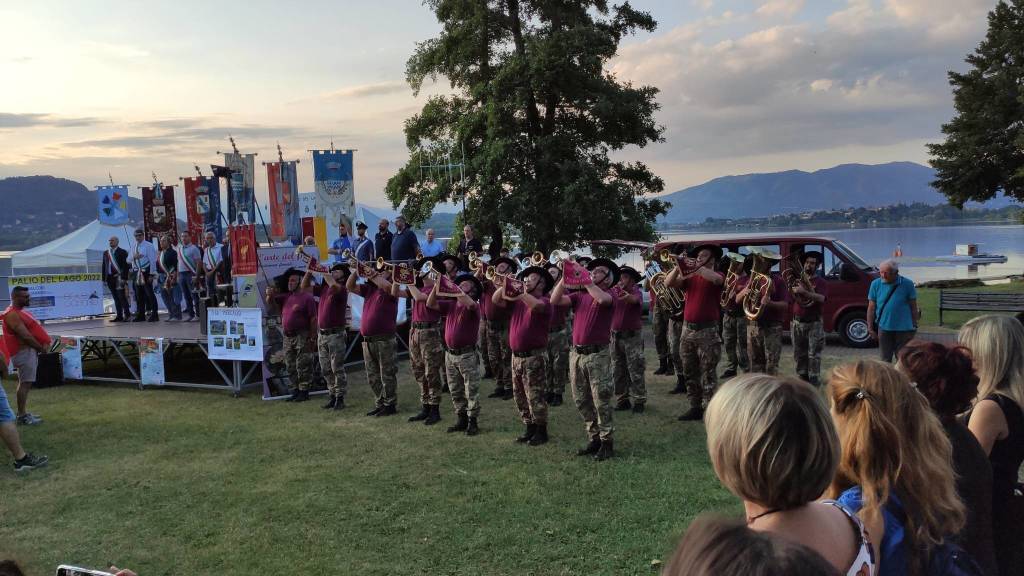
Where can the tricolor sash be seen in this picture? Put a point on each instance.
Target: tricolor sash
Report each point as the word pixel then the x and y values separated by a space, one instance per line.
pixel 184 259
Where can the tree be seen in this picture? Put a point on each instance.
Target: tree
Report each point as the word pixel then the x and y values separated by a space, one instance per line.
pixel 984 148
pixel 535 116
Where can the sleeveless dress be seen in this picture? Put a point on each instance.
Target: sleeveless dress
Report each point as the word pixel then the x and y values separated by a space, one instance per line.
pixel 864 562
pixel 1008 509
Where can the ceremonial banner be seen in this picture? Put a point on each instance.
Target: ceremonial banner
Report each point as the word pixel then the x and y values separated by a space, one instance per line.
pixel 235 334
pixel 202 207
pixel 55 296
pixel 335 194
pixel 241 188
pixel 320 234
pixel 307 204
pixel 282 182
pixel 308 228
pixel 158 212
pixel 112 205
pixel 243 249
pixel 151 361
pixel 71 357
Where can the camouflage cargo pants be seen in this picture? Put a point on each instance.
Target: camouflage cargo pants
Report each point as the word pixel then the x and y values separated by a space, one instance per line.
pixel 764 346
pixel 808 343
pixel 675 338
pixel 426 356
pixel 298 360
pixel 331 348
pixel 734 337
pixel 529 382
pixel 481 339
pixel 558 361
pixel 659 323
pixel 701 350
pixel 381 369
pixel 592 390
pixel 628 365
pixel 464 382
pixel 500 355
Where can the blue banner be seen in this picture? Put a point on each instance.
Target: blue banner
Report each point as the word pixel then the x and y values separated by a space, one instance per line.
pixel 335 191
pixel 112 205
pixel 241 188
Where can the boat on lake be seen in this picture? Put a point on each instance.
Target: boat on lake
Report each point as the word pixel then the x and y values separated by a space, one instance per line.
pixel 968 254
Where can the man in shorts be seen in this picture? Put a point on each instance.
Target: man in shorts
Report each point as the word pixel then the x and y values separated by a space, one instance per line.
pixel 24 338
pixel 23 461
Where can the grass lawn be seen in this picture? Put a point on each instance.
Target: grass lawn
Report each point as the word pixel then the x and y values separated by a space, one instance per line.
pixel 196 482
pixel 928 300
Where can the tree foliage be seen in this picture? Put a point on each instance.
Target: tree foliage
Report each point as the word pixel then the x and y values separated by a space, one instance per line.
pixel 984 148
pixel 536 116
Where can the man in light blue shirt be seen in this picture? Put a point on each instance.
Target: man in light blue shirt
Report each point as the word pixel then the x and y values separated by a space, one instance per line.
pixel 341 243
pixel 892 310
pixel 431 247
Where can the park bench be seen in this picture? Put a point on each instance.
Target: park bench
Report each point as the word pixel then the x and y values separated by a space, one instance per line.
pixel 980 301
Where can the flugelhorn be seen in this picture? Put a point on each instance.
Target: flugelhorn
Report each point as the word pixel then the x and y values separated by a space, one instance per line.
pixel 475 263
pixel 731 278
pixel 760 283
pixel 357 267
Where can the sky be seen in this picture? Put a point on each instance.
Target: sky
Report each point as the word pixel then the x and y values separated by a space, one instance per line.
pixel 129 88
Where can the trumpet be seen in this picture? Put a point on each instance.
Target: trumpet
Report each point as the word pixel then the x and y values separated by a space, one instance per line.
pixel 760 283
pixel 537 258
pixel 731 278
pixel 358 267
pixel 557 257
pixel 428 271
pixel 475 263
pixel 491 274
pixel 794 275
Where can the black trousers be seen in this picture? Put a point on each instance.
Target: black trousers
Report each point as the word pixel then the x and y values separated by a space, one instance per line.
pixel 890 343
pixel 120 298
pixel 145 298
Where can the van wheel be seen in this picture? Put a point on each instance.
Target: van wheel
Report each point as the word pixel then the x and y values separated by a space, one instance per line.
pixel 853 329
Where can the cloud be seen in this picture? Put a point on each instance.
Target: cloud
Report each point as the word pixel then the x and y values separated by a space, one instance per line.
pixel 783 8
pixel 183 133
pixel 364 90
pixel 31 120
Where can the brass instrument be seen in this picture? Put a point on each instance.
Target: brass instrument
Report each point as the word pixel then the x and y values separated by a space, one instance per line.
pixel 794 275
pixel 731 278
pixel 358 267
pixel 537 258
pixel 428 271
pixel 475 263
pixel 760 283
pixel 557 257
pixel 671 300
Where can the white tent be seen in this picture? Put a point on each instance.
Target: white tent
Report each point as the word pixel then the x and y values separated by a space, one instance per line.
pixel 79 251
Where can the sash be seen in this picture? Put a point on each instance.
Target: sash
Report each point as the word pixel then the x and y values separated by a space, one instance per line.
pixel 184 259
pixel 114 268
pixel 209 259
pixel 142 263
pixel 162 262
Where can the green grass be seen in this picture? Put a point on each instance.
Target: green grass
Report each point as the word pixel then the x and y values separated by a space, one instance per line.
pixel 928 300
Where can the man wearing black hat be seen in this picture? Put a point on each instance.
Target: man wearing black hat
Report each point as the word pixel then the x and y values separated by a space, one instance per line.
pixel 426 347
pixel 764 335
pixel 298 318
pixel 497 319
pixel 700 346
pixel 589 359
pixel 558 346
pixel 363 244
pixel 628 364
pixel 806 328
pixel 377 328
pixel 734 326
pixel 332 340
pixel 462 319
pixel 528 339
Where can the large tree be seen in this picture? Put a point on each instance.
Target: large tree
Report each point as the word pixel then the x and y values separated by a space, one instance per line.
pixel 984 148
pixel 535 114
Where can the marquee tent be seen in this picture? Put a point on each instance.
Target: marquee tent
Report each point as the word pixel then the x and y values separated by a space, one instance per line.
pixel 79 251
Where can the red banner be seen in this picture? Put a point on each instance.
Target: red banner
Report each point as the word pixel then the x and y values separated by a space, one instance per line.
pixel 195 216
pixel 158 213
pixel 284 201
pixel 308 228
pixel 243 250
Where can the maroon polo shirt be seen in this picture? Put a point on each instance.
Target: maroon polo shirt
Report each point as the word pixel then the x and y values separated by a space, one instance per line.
pixel 628 316
pixel 298 311
pixel 461 323
pixel 331 311
pixel 528 329
pixel 491 311
pixel 592 323
pixel 821 287
pixel 702 299
pixel 421 313
pixel 558 314
pixel 380 309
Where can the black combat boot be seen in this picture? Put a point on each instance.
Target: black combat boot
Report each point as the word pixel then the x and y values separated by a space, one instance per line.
pixel 606 451
pixel 557 400
pixel 531 429
pixel 623 406
pixel 638 408
pixel 375 411
pixel 331 401
pixel 670 368
pixel 499 392
pixel 693 414
pixel 387 410
pixel 590 449
pixel 423 414
pixel 434 415
pixel 472 429
pixel 661 367
pixel 460 423
pixel 294 396
pixel 680 385
pixel 508 395
pixel 339 402
pixel 303 396
pixel 540 436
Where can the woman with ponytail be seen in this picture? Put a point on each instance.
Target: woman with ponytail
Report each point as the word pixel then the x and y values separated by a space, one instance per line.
pixel 896 468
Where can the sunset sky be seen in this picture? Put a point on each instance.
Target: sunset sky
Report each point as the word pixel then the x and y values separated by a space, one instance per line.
pixel 131 88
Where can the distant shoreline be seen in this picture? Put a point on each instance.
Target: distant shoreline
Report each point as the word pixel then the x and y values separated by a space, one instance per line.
pixel 747 228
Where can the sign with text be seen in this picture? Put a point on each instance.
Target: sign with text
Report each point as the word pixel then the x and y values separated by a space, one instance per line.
pixel 151 361
pixel 235 334
pixel 62 295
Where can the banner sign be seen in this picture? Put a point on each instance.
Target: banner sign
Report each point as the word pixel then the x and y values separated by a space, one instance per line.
pixel 55 296
pixel 335 194
pixel 71 357
pixel 235 334
pixel 151 361
pixel 282 182
pixel 202 208
pixel 112 205
pixel 241 188
pixel 243 249
pixel 158 212
pixel 307 204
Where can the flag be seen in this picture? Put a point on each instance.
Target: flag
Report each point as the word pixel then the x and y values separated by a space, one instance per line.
pixel 113 205
pixel 335 194
pixel 308 228
pixel 202 207
pixel 243 250
pixel 282 183
pixel 241 192
pixel 158 213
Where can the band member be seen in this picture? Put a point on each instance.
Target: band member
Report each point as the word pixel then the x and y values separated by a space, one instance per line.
pixel 167 278
pixel 700 347
pixel 806 328
pixel 144 267
pixel 377 328
pixel 462 319
pixel 528 339
pixel 213 266
pixel 497 330
pixel 189 264
pixel 426 347
pixel 116 277
pixel 450 266
pixel 659 325
pixel 734 328
pixel 589 359
pixel 558 346
pixel 628 364
pixel 675 344
pixel 332 338
pixel 764 335
pixel 298 317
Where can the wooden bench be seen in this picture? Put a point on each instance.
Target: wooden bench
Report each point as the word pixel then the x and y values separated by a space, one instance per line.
pixel 981 301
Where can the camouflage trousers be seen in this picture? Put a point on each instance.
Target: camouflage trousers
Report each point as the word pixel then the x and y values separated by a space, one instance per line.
pixel 529 382
pixel 592 390
pixel 764 346
pixel 464 382
pixel 331 349
pixel 659 324
pixel 557 364
pixel 628 365
pixel 500 355
pixel 481 339
pixel 426 357
pixel 381 369
pixel 701 351
pixel 675 339
pixel 734 337
pixel 298 360
pixel 808 343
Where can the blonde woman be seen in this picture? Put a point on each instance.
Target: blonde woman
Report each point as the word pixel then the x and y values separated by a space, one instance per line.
pixel 997 421
pixel 772 444
pixel 896 469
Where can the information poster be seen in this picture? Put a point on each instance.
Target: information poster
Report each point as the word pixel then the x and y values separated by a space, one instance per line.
pixel 151 360
pixel 62 295
pixel 71 357
pixel 246 292
pixel 235 334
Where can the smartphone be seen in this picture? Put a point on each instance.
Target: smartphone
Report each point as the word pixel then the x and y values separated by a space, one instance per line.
pixel 65 570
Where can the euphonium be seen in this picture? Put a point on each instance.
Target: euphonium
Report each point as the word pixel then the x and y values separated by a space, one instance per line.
pixel 760 283
pixel 794 276
pixel 670 300
pixel 731 277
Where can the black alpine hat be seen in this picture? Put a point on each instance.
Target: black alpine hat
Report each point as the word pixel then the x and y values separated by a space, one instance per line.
pixel 281 281
pixel 504 260
pixel 716 251
pixel 341 266
pixel 811 254
pixel 476 283
pixel 443 257
pixel 611 266
pixel 549 280
pixel 630 271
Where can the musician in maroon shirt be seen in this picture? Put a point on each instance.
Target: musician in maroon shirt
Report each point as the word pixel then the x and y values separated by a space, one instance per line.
pixel 558 346
pixel 764 335
pixel 298 318
pixel 806 331
pixel 377 329
pixel 628 363
pixel 426 346
pixel 497 319
pixel 332 323
pixel 462 321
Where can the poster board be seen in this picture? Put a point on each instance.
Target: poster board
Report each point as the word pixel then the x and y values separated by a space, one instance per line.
pixel 151 361
pixel 71 357
pixel 235 334
pixel 56 296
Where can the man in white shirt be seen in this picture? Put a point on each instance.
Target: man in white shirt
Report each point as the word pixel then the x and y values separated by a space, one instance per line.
pixel 189 263
pixel 144 267
pixel 431 247
pixel 213 266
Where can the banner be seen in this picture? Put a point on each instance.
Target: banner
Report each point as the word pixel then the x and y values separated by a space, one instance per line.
pixel 202 208
pixel 308 228
pixel 282 183
pixel 158 212
pixel 241 188
pixel 235 334
pixel 307 204
pixel 243 249
pixel 112 205
pixel 151 361
pixel 55 296
pixel 71 357
pixel 335 194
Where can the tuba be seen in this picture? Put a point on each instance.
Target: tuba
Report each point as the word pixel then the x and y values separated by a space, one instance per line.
pixel 760 283
pixel 794 275
pixel 731 278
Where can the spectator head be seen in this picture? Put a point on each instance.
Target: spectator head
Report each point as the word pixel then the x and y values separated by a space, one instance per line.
pixel 10 568
pixel 772 441
pixel 342 229
pixel 715 546
pixel 467 231
pixel 889 269
pixel 165 241
pixel 210 239
pixel 19 296
pixel 430 234
pixel 996 343
pixel 944 375
pixel 140 235
pixel 113 242
pixel 400 223
pixel 383 225
pixel 309 241
pixel 186 238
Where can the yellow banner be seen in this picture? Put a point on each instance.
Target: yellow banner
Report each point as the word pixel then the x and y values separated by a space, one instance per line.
pixel 53 279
